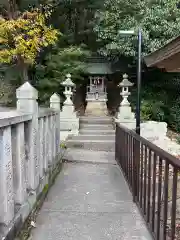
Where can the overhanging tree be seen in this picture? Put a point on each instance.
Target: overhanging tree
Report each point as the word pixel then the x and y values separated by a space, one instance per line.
pixel 23 37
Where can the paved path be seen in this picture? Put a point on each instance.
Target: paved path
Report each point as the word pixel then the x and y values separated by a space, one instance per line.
pixel 90 201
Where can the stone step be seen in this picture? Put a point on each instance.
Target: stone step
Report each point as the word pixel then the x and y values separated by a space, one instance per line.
pixel 98 145
pixel 95 120
pixel 97 126
pixel 96 157
pixel 93 137
pixel 96 132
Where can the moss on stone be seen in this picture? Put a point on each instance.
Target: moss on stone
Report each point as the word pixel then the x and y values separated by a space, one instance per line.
pixel 45 189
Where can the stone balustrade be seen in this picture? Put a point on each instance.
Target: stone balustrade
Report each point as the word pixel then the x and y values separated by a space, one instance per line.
pixel 29 155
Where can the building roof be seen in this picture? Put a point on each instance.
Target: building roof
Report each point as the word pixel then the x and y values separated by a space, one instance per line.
pixel 98 65
pixel 99 68
pixel 167 57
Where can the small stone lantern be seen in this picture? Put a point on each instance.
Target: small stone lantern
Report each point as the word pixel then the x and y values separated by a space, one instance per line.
pixel 125 111
pixel 69 120
pixel 69 85
pixel 125 84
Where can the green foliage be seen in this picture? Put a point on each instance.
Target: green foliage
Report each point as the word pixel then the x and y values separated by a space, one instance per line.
pixel 63 145
pixel 10 79
pixel 159 21
pixel 174 117
pixel 24 37
pixel 75 19
pixel 160 98
pixel 45 189
pixel 49 74
pixel 152 110
pixel 6 93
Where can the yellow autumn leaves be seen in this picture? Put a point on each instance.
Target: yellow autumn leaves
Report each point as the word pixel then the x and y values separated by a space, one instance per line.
pixel 25 37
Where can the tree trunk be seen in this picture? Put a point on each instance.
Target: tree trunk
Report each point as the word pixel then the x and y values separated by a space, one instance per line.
pixel 25 73
pixel 12 10
pixel 23 68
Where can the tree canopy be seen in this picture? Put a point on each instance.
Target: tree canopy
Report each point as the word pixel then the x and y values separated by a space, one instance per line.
pixel 23 38
pixel 159 21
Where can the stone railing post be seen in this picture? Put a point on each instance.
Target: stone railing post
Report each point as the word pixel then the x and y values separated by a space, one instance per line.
pixel 6 177
pixel 55 105
pixel 19 163
pixel 27 103
pixel 55 102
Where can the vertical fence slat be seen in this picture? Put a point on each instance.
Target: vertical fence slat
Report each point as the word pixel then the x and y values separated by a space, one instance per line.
pixel 149 187
pixel 57 135
pixel 6 177
pixel 145 180
pixel 19 160
pixel 116 142
pixel 138 145
pixel 128 157
pixel 141 174
pixel 46 145
pixel 165 212
pixel 31 144
pixel 41 148
pixel 125 153
pixel 49 141
pixel 173 209
pixel 153 192
pixel 123 140
pixel 159 199
pixel 135 162
pixel 131 161
pixel 54 140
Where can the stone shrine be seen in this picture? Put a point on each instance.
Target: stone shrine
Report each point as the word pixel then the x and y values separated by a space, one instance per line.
pixel 96 97
pixel 96 94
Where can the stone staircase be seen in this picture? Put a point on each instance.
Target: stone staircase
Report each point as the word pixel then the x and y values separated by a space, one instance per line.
pixel 96 141
pixel 95 134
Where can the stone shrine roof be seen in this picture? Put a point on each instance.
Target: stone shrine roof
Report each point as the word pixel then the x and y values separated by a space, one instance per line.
pixel 98 66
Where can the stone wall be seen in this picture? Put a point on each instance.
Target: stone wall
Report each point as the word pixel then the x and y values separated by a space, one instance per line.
pixel 30 155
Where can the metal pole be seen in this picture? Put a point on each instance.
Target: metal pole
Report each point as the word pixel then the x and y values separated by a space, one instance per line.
pixel 138 103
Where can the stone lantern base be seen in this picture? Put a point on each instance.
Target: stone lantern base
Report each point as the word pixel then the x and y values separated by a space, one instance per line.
pixel 69 120
pixel 125 112
pixel 129 123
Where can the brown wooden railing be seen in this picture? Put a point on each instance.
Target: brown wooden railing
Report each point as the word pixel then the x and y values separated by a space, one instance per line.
pixel 153 178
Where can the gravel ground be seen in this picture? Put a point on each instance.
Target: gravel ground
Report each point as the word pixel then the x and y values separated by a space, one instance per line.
pixel 169 143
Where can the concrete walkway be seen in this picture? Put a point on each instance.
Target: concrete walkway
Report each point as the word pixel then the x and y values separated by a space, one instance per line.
pixel 90 201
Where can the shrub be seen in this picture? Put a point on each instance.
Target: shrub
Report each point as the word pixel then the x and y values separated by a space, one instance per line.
pixel 151 110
